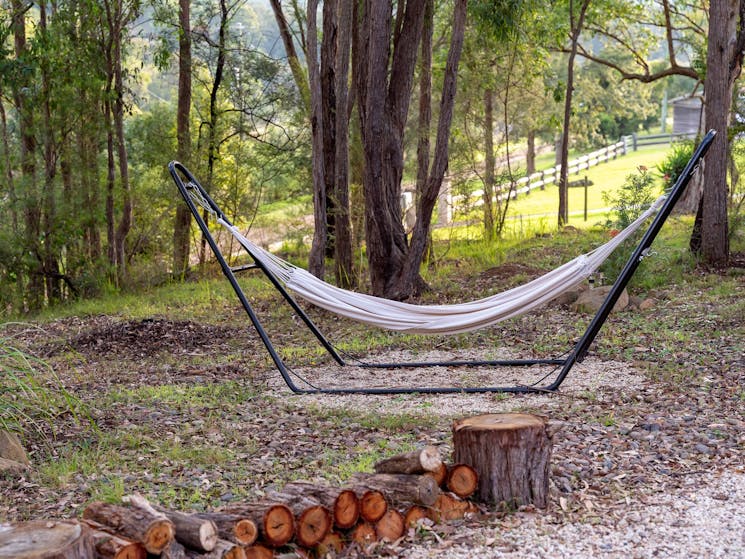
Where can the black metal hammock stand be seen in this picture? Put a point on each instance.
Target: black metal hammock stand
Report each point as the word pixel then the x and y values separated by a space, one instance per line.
pixel 191 190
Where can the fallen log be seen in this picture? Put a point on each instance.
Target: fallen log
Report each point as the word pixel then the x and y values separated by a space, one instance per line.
pixel 439 475
pixel 451 507
pixel 363 534
pixel 511 455
pixel 419 461
pixel 258 551
pixel 332 544
pixel 391 527
pixel 114 546
pixel 401 489
pixel 154 531
pixel 46 539
pixel 414 514
pixel 312 520
pixel 233 527
pixel 194 532
pixel 223 550
pixel 275 521
pixel 343 503
pixel 174 551
pixel 462 480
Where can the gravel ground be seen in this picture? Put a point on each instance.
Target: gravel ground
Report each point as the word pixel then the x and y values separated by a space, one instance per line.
pixel 705 519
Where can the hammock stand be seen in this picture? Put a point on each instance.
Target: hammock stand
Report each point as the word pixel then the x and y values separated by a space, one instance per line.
pixel 187 183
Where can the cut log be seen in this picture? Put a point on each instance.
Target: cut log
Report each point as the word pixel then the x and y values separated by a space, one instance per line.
pixel 372 505
pixel 113 546
pixel 312 526
pixel 174 551
pixel 233 527
pixel 391 527
pixel 511 455
pixel 223 550
pixel 401 489
pixel 196 533
pixel 343 503
pixel 439 475
pixel 451 507
pixel 415 462
pixel 363 534
pixel 42 539
pixel 258 551
pixel 414 514
pixel 332 544
pixel 462 480
pixel 276 521
pixel 312 520
pixel 155 532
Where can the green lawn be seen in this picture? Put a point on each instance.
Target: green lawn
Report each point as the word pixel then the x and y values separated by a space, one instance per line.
pixel 537 211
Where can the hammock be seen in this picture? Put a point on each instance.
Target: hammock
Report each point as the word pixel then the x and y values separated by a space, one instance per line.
pixel 431 318
pixel 438 319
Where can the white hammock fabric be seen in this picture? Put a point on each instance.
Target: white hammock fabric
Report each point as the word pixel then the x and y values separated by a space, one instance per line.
pixel 435 319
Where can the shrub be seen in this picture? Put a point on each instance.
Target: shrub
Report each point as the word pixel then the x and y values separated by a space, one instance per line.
pixel 635 196
pixel 672 166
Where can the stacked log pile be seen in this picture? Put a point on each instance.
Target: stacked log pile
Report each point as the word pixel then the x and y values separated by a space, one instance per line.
pixel 503 456
pixel 303 519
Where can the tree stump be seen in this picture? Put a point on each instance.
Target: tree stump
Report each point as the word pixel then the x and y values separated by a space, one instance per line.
pixel 42 539
pixel 510 453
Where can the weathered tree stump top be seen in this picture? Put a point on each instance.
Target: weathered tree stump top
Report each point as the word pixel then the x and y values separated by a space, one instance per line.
pixel 499 422
pixel 41 539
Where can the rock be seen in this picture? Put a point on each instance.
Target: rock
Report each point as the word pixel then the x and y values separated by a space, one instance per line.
pixel 590 301
pixel 11 448
pixel 647 304
pixel 635 301
pixel 566 298
pixel 11 466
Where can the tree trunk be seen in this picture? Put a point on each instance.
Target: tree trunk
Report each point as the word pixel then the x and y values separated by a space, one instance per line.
pixel 384 82
pixel 155 532
pixel 489 164
pixel 301 80
pixel 530 153
pixel 182 223
pixel 720 77
pixel 511 455
pixel 316 259
pixel 410 282
pixel 62 539
pixel 344 270
pixel 576 28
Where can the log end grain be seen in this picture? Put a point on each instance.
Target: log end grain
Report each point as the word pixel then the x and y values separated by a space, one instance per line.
pixel 439 475
pixel 45 539
pixel 373 505
pixel 258 551
pixel 332 544
pixel 462 480
pixel 279 525
pixel 346 509
pixel 414 514
pixel 245 531
pixel 312 525
pixel 364 534
pixel 391 527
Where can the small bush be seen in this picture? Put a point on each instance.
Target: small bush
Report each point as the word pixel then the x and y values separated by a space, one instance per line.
pixel 632 199
pixel 672 166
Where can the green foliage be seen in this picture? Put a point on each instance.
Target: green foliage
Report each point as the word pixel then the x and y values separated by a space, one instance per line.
pixel 31 396
pixel 632 199
pixel 674 163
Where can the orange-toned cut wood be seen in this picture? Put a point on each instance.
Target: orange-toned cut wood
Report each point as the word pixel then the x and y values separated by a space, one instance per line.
pixel 154 531
pixel 462 480
pixel 391 527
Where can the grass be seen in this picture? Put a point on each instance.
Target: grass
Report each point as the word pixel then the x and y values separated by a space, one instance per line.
pixel 536 212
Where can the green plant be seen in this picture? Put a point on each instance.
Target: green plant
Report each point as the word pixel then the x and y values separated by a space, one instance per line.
pixel 635 195
pixel 30 393
pixel 674 163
